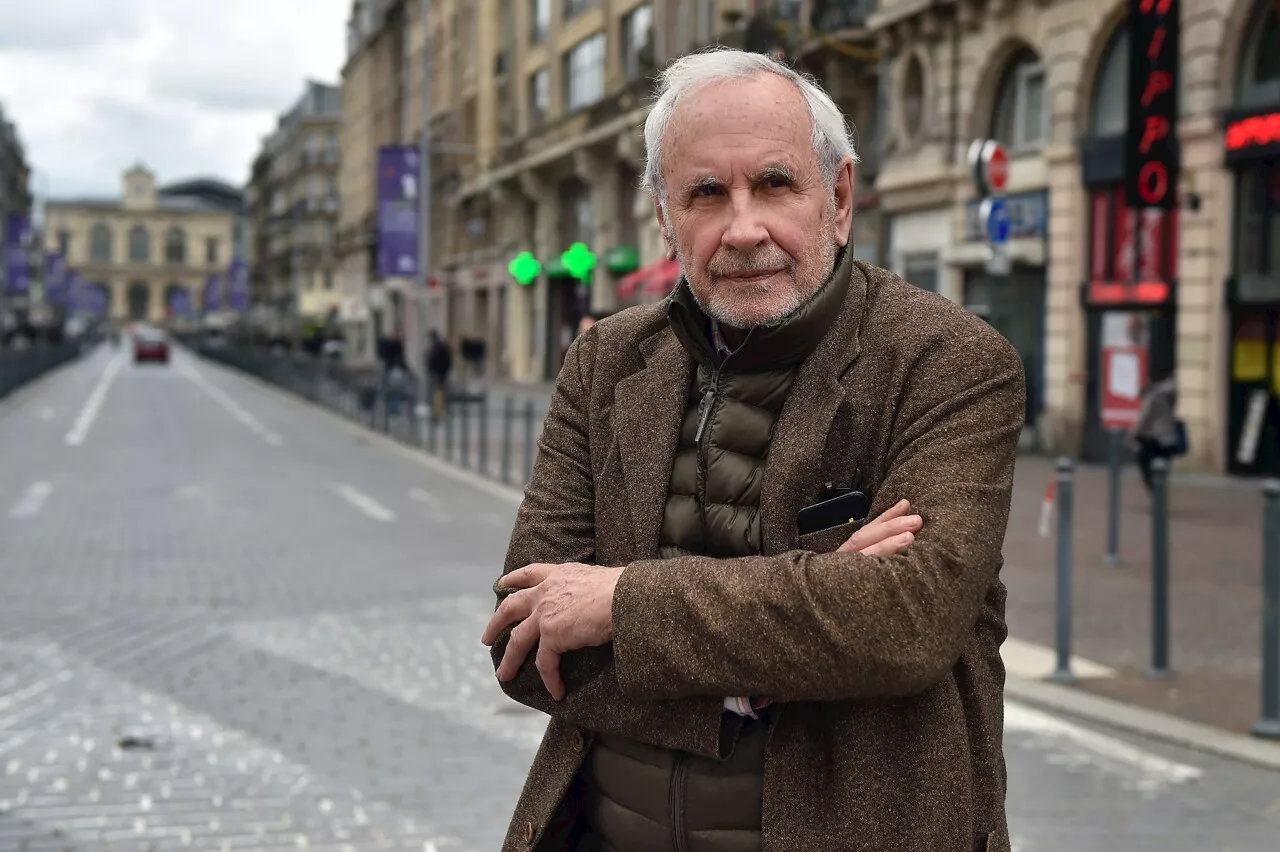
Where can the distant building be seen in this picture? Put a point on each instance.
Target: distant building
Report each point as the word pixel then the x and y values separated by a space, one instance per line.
pixel 149 244
pixel 292 201
pixel 15 177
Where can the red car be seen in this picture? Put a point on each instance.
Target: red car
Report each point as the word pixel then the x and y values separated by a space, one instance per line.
pixel 150 344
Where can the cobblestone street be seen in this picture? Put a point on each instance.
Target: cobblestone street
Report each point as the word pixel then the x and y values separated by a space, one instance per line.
pixel 231 622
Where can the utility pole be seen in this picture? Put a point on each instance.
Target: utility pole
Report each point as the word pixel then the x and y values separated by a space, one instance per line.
pixel 424 206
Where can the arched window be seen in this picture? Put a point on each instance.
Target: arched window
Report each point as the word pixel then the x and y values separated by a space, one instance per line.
pixel 100 243
pixel 139 300
pixel 1108 111
pixel 1021 117
pixel 175 245
pixel 1258 81
pixel 139 244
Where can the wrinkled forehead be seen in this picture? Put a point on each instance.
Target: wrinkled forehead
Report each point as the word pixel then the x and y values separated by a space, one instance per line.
pixel 763 118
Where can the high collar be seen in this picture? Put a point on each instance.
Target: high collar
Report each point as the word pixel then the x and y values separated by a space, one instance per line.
pixel 763 347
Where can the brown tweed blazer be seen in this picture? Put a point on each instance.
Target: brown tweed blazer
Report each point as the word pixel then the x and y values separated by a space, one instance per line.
pixel 888 737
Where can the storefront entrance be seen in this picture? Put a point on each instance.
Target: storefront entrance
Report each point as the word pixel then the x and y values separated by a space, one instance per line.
pixel 1014 305
pixel 566 305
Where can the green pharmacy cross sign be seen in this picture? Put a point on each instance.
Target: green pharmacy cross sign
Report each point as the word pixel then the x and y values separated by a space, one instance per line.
pixel 525 268
pixel 579 261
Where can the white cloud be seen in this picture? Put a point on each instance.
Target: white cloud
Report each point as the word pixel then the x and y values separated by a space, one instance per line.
pixel 188 87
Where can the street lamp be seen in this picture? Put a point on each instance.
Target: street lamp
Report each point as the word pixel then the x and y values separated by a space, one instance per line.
pixel 424 205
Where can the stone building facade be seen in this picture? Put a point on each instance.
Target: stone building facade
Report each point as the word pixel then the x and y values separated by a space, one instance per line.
pixel 1049 79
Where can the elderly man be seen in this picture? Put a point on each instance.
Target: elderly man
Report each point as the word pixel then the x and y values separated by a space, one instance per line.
pixel 724 666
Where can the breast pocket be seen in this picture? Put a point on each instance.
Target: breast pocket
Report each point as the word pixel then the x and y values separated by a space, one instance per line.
pixel 827 541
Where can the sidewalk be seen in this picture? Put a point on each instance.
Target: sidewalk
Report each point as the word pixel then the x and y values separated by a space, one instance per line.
pixel 1215 529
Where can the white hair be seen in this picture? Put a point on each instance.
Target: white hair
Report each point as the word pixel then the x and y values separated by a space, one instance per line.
pixel 831 140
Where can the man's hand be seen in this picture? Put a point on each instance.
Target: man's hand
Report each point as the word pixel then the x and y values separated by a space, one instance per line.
pixel 558 608
pixel 887 535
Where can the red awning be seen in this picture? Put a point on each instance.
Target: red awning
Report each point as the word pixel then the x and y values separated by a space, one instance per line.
pixel 655 280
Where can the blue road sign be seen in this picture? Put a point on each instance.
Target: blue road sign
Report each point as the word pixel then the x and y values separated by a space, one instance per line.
pixel 996 220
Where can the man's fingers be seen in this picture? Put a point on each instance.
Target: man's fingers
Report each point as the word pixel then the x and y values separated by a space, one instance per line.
pixel 880 531
pixel 890 546
pixel 523 639
pixel 513 609
pixel 548 665
pixel 897 510
pixel 526 577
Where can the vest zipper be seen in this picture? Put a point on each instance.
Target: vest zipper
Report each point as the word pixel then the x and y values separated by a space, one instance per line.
pixel 679 843
pixel 709 404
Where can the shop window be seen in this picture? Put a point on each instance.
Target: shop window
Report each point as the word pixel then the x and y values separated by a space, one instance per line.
pixel 1259 74
pixel 1257 258
pixel 1021 118
pixel 1126 245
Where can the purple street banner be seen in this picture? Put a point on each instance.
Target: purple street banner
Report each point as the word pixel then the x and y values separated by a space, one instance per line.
pixel 75 292
pixel 238 286
pixel 17 259
pixel 212 300
pixel 397 211
pixel 56 292
pixel 98 299
pixel 180 304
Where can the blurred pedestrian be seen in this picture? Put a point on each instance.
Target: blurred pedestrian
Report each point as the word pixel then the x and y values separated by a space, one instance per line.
pixel 729 661
pixel 1158 433
pixel 439 361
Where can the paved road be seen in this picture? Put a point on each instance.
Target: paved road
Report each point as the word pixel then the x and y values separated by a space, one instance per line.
pixel 231 622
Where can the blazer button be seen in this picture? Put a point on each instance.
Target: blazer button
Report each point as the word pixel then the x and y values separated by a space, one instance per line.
pixel 529 833
pixel 579 741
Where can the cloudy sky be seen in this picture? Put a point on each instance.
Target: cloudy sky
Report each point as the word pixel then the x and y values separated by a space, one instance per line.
pixel 188 87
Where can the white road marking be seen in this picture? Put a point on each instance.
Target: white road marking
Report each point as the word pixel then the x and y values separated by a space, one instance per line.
pixel 32 500
pixel 417 495
pixel 219 396
pixel 84 421
pixel 365 503
pixel 1074 745
pixel 1036 662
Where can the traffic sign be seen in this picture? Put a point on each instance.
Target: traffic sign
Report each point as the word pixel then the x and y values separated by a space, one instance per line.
pixel 995 164
pixel 989 163
pixel 996 221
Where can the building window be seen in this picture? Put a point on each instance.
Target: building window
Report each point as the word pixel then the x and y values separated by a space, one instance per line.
pixel 1110 107
pixel 328 279
pixel 706 25
pixel 331 148
pixel 64 243
pixel 573 8
pixel 584 73
pixel 211 251
pixel 175 246
pixel 921 269
pixel 913 96
pixel 313 149
pixel 637 42
pixel 539 97
pixel 540 20
pixel 1021 119
pixel 1259 74
pixel 139 244
pixel 100 244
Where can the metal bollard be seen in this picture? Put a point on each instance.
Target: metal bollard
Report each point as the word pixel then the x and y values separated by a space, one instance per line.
pixel 1159 569
pixel 1268 726
pixel 508 414
pixel 433 429
pixel 450 411
pixel 482 452
pixel 1116 467
pixel 1065 469
pixel 528 440
pixel 466 433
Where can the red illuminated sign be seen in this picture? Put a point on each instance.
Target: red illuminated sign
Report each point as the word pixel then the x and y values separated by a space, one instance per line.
pixel 1152 164
pixel 1256 131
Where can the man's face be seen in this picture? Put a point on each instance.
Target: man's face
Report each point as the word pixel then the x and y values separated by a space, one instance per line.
pixel 754 226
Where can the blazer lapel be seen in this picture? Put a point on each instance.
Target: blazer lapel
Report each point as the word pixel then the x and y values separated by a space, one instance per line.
pixel 648 409
pixel 795 471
